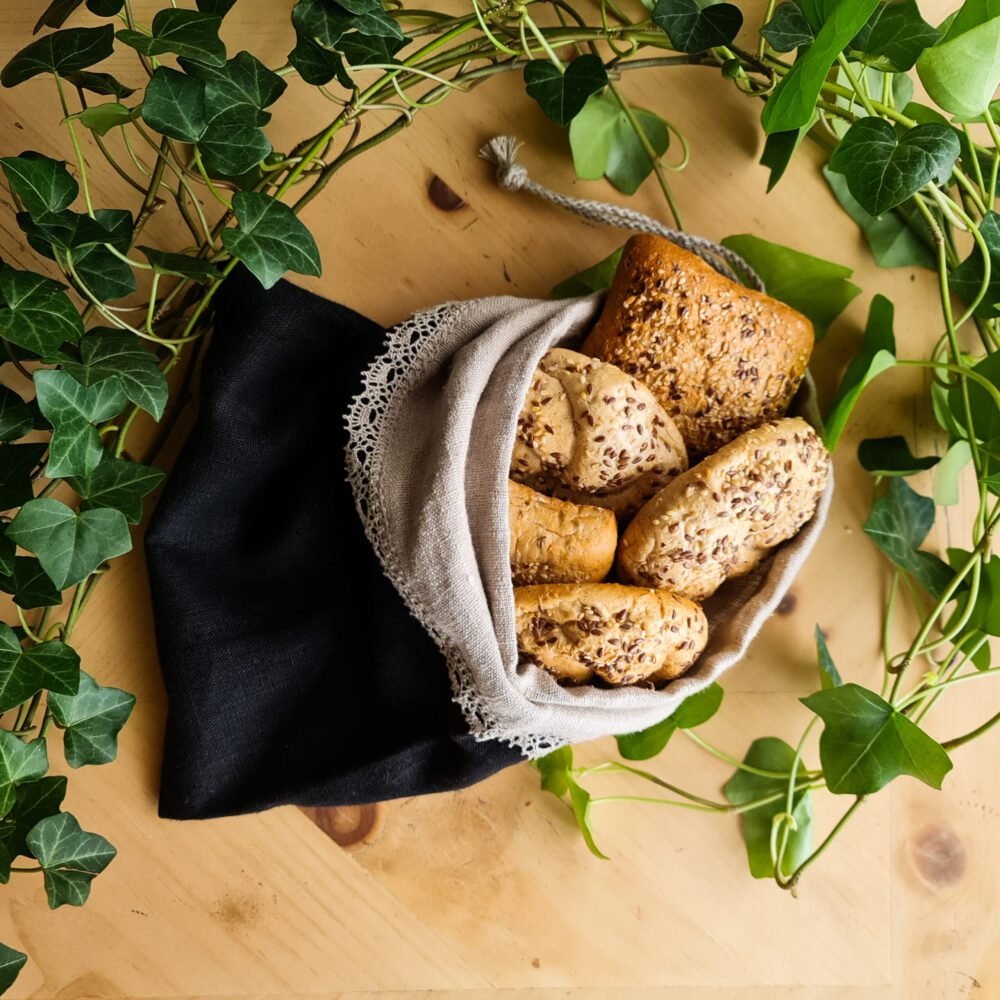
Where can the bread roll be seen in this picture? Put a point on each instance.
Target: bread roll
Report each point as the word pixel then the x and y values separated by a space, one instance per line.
pixel 553 541
pixel 589 433
pixel 719 357
pixel 721 518
pixel 623 635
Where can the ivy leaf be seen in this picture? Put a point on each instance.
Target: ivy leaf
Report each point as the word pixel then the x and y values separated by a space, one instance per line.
pixel 63 230
pixel 102 118
pixel 174 105
pixel 92 719
pixel 866 743
pixel 41 183
pixel 105 8
pixel 69 546
pixel 779 148
pixel 270 239
pixel 314 64
pixel 894 37
pixel 793 101
pixel 118 484
pixel 11 963
pixel 892 242
pixel 770 754
pixel 984 410
pixel 604 144
pixel 99 83
pixel 818 288
pixel 692 712
pixel 239 91
pixel 33 802
pixel 876 355
pixel 115 355
pixel 829 675
pixel 562 95
pixel 554 769
pixel 591 279
pixel 229 150
pixel 29 584
pixel 328 21
pixel 55 15
pixel 19 762
pixel 883 170
pixel 788 28
pixel 692 27
pixel 891 456
pixel 956 458
pixel 16 416
pixel 967 278
pixel 360 50
pixel 220 7
pixel 39 316
pixel 580 800
pixel 106 275
pixel 70 858
pixel 17 462
pixel 189 33
pixel 7 557
pixel 50 666
pixel 898 524
pixel 985 617
pixel 180 264
pixel 73 409
pixel 60 52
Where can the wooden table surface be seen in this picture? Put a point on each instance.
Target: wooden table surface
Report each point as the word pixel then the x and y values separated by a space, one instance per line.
pixel 490 890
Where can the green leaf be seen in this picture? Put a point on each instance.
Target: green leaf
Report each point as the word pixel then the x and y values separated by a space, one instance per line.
pixel 962 71
pixel 892 242
pixel 692 712
pixel 788 28
pixel 118 484
pixel 70 858
pixel 898 524
pixel 829 675
pixel 314 64
pixel 876 354
pixel 55 15
pixel 105 8
pixel 60 52
pixel 562 95
pixel 174 105
pixel 894 37
pixel 42 184
pixel 581 802
pixel 106 275
pixel 270 240
pixel 16 416
pixel 604 144
pixel 692 27
pixel 793 101
pixel 180 264
pixel 120 357
pixel 866 743
pixel 554 769
pixel 883 170
pixel 46 666
pixel 30 585
pixel 231 149
pixel 11 963
pixel 73 409
pixel 17 462
pixel 39 316
pixel 956 458
pixel 891 456
pixel 985 617
pixel 966 279
pixel 239 91
pixel 779 148
pixel 8 560
pixel 591 279
pixel 69 546
pixel 19 762
pixel 770 754
pixel 102 118
pixel 33 802
pixel 328 21
pixel 360 50
pixel 983 407
pixel 92 719
pixel 188 33
pixel 64 230
pixel 99 83
pixel 818 288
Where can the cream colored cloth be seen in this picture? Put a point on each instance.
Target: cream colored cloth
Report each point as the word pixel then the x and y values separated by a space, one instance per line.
pixel 429 444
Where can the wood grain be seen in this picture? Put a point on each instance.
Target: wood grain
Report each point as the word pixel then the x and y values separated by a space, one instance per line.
pixel 490 891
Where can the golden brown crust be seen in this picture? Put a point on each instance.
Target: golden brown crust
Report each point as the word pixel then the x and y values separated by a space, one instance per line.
pixel 589 433
pixel 553 541
pixel 720 519
pixel 719 357
pixel 622 635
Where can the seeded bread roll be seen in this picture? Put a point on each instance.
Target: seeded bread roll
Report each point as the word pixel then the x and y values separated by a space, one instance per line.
pixel 552 541
pixel 721 518
pixel 589 433
pixel 623 635
pixel 719 357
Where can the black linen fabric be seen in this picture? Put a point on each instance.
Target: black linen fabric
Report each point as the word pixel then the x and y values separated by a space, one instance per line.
pixel 294 672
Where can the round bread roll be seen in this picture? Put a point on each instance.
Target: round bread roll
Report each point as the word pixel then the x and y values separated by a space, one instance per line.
pixel 553 541
pixel 719 357
pixel 623 635
pixel 721 518
pixel 589 433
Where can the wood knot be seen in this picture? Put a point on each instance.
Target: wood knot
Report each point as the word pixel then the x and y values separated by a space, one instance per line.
pixel 787 604
pixel 350 826
pixel 443 197
pixel 939 856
